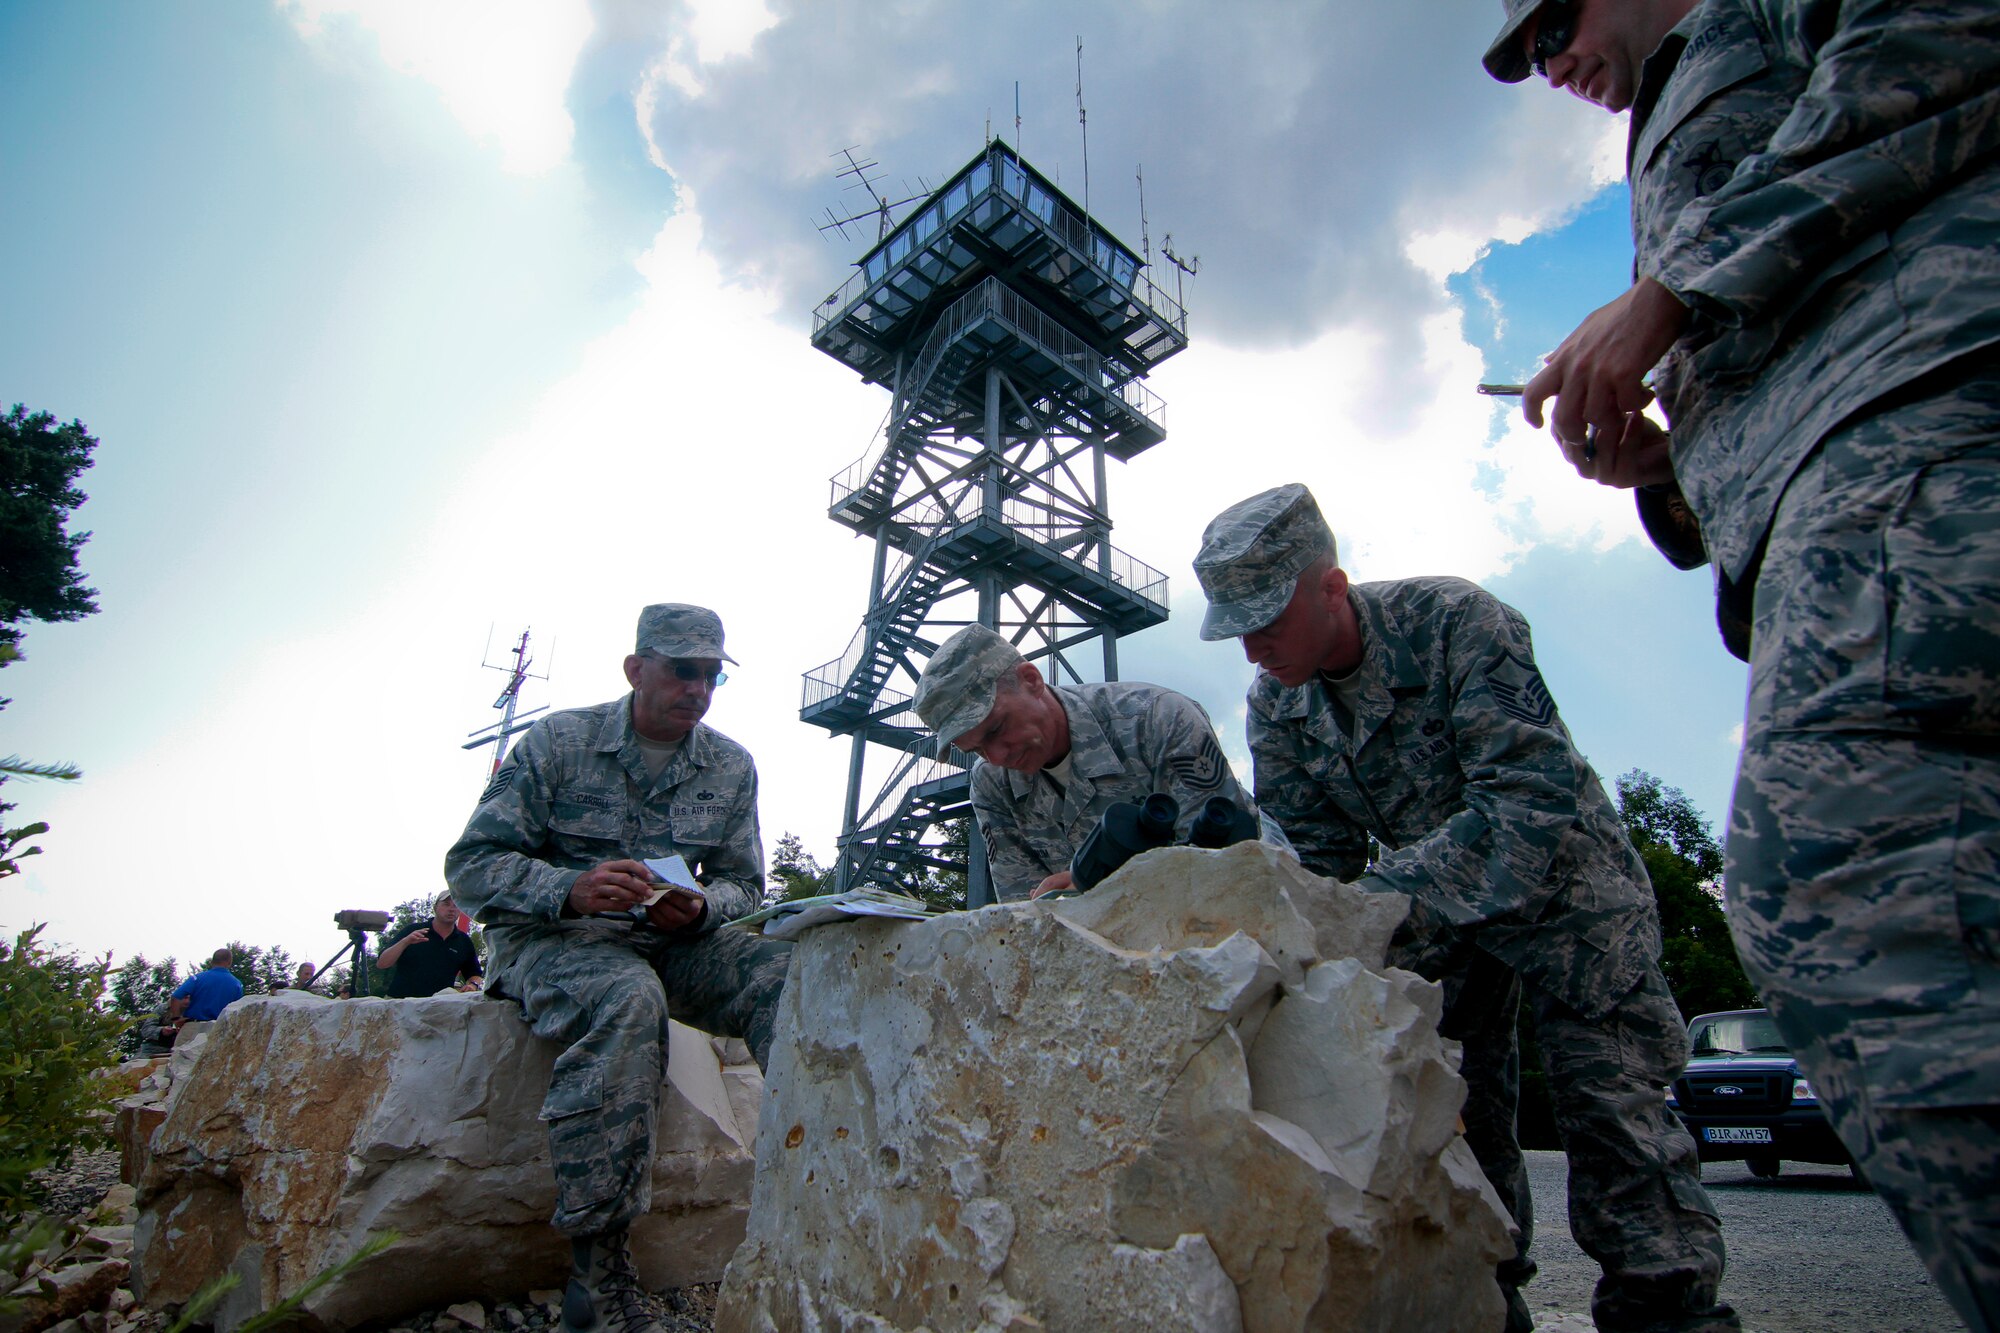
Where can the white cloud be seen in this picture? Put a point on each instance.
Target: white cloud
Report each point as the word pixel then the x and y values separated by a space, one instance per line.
pixel 502 67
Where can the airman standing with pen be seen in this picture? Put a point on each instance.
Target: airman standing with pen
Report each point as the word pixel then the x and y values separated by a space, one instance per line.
pixel 1816 221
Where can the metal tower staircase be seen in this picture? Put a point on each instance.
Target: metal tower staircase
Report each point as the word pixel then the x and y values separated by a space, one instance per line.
pixel 1013 333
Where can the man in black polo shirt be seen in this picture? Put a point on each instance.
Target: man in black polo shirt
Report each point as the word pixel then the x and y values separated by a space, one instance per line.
pixel 425 959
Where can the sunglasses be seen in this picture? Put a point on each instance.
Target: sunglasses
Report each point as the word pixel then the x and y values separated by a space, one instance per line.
pixel 1553 34
pixel 689 672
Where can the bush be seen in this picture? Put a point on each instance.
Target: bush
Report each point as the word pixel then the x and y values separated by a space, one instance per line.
pixel 53 1039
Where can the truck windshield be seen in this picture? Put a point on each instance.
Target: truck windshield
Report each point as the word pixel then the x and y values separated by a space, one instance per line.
pixel 1736 1034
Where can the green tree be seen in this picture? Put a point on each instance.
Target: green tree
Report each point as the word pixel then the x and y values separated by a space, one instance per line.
pixel 260 970
pixel 39 579
pixel 1684 863
pixel 943 888
pixel 795 873
pixel 140 987
pixel 54 1036
pixel 39 464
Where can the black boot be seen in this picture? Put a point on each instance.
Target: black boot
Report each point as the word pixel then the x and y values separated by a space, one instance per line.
pixel 603 1295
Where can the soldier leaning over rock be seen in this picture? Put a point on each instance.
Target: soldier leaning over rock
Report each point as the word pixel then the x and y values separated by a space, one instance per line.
pixel 1052 758
pixel 1412 712
pixel 557 840
pixel 1816 221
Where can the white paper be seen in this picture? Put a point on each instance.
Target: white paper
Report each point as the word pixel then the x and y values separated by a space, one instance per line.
pixel 673 873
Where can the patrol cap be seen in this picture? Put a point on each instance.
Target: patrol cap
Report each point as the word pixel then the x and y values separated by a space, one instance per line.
pixel 1252 554
pixel 1505 60
pixel 956 691
pixel 675 629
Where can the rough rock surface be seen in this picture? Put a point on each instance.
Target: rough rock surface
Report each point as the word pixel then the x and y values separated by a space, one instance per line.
pixel 304 1127
pixel 1190 1099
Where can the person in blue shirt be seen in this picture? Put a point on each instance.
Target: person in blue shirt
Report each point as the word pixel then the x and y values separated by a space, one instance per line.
pixel 208 992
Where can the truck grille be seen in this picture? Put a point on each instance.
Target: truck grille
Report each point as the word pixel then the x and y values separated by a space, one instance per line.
pixel 1746 1094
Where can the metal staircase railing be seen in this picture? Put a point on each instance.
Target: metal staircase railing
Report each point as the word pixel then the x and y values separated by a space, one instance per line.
pixel 880 469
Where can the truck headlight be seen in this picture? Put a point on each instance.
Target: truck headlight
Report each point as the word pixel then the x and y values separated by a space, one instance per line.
pixel 1802 1091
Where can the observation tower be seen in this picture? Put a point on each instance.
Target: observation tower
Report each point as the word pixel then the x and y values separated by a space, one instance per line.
pixel 1014 334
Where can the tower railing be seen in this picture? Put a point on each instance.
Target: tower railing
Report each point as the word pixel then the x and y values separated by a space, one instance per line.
pixel 994 298
pixel 1047 212
pixel 832 679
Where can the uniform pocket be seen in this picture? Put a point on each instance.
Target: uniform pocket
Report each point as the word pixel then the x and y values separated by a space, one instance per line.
pixel 576 1086
pixel 585 833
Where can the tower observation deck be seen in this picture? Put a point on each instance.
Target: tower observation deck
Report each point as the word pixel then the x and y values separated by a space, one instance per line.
pixel 1014 334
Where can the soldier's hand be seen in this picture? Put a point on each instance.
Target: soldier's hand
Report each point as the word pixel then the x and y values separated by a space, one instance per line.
pixel 614 886
pixel 1055 883
pixel 1597 375
pixel 1638 458
pixel 676 910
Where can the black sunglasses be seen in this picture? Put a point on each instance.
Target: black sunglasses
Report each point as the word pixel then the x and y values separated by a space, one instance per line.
pixel 1555 30
pixel 688 671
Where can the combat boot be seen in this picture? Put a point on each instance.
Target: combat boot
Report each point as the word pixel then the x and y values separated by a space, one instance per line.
pixel 604 1295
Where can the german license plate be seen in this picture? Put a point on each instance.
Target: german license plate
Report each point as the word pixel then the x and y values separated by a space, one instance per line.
pixel 1717 1134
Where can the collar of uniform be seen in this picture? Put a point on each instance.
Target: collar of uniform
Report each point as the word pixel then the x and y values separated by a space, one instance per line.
pixel 618 732
pixel 1387 664
pixel 1388 658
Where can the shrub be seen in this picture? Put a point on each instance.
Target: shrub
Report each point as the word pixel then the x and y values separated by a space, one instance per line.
pixel 53 1039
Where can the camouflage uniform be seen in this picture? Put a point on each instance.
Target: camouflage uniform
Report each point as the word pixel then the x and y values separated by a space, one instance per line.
pixel 1819 181
pixel 1126 741
pixel 1443 745
pixel 573 794
pixel 1525 886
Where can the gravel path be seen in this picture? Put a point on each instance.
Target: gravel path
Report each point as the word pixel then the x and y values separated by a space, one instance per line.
pixel 1812 1250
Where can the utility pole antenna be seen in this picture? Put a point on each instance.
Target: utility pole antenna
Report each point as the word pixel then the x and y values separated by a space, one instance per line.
pixel 881 207
pixel 508 703
pixel 1184 267
pixel 1083 120
pixel 1145 233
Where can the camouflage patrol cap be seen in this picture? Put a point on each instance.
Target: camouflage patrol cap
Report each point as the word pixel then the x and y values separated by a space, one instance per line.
pixel 1505 60
pixel 1252 554
pixel 956 691
pixel 675 629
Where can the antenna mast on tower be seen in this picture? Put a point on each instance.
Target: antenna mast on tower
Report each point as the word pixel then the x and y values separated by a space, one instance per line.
pixel 882 208
pixel 508 703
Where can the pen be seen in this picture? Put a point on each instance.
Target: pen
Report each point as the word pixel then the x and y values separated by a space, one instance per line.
pixel 1515 391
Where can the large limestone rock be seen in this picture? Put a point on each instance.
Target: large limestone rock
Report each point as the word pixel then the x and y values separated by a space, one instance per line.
pixel 1191 1099
pixel 305 1126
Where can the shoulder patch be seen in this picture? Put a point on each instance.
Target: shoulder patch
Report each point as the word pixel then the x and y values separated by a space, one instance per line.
pixel 501 781
pixel 1519 690
pixel 1202 771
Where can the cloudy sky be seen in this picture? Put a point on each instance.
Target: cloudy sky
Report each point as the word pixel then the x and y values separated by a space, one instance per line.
pixel 408 325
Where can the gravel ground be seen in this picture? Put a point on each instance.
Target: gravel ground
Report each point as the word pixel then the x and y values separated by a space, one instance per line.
pixel 77 1188
pixel 1812 1250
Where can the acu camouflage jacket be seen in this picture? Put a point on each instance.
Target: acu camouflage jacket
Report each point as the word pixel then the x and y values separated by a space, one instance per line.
pixel 574 793
pixel 1126 741
pixel 1819 180
pixel 1457 764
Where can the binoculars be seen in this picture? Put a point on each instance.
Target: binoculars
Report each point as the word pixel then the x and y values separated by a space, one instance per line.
pixel 1128 828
